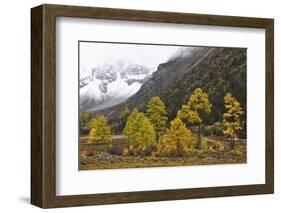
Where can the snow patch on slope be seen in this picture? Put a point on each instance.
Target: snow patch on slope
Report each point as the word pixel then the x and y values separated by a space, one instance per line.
pixel 110 84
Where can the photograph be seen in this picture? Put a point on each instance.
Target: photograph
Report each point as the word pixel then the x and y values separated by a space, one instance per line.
pixel 158 105
pixel 139 105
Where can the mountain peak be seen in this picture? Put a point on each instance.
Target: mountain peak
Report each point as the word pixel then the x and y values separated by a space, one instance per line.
pixel 110 83
pixel 215 70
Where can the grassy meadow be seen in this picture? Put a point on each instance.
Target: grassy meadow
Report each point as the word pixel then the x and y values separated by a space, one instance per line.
pixel 101 156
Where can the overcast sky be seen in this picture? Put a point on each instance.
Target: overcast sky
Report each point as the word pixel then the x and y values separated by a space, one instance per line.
pixel 94 54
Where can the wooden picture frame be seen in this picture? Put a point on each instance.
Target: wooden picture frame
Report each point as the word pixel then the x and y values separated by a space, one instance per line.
pixel 43 105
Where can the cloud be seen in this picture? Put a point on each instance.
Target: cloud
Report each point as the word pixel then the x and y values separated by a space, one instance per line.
pixel 93 54
pixel 181 52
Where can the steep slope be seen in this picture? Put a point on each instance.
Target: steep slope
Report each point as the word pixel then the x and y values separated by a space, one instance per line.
pixel 216 70
pixel 110 84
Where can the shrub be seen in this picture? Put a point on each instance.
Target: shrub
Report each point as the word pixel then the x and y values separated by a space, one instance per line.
pixel 221 147
pixel 83 154
pixel 211 149
pixel 238 153
pixel 213 130
pixel 90 153
pixel 125 152
pixel 204 145
pixel 216 145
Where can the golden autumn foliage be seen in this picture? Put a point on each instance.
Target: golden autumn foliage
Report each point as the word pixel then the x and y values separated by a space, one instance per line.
pixel 157 115
pixel 176 141
pixel 140 133
pixel 232 117
pixel 146 132
pixel 197 104
pixel 92 135
pixel 100 130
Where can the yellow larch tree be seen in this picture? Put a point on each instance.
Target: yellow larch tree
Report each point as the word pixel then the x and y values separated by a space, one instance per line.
pixel 232 117
pixel 140 133
pixel 100 130
pixel 177 140
pixel 156 113
pixel 197 104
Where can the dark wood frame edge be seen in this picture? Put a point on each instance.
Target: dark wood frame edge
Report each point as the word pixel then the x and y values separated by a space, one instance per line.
pixel 43 105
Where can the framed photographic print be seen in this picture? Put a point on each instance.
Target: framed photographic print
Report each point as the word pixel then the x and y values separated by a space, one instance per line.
pixel 136 106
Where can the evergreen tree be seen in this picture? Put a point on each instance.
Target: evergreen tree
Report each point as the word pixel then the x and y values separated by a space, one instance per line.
pixel 232 117
pixel 197 105
pixel 157 115
pixel 100 130
pixel 131 125
pixel 140 133
pixel 123 116
pixel 85 118
pixel 177 140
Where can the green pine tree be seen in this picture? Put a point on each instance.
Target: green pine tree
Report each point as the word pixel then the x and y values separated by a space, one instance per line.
pixel 123 116
pixel 84 122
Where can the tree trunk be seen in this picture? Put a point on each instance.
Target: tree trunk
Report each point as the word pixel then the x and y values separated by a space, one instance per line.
pixel 233 135
pixel 199 137
pixel 157 137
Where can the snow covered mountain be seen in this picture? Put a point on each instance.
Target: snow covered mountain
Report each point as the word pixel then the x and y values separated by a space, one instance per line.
pixel 110 84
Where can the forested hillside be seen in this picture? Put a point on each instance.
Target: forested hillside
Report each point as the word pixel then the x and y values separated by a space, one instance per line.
pixel 216 70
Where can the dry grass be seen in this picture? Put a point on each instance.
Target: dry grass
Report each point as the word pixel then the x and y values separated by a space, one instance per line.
pixel 101 156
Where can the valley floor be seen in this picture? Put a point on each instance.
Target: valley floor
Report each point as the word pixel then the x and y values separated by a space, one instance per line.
pixel 98 156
